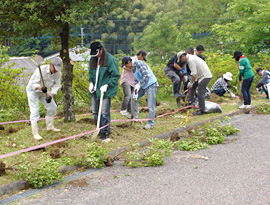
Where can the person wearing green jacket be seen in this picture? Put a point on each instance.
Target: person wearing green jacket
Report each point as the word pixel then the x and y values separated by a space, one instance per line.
pixel 247 75
pixel 103 78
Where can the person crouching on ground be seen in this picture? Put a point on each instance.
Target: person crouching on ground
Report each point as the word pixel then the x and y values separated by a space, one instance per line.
pixel 103 78
pixel 265 81
pixel 146 84
pixel 36 92
pixel 247 74
pixel 221 85
pixel 200 77
pixel 127 83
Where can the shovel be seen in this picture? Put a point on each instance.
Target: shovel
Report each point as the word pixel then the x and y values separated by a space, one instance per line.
pixel 186 97
pixel 240 103
pixel 132 114
pixel 39 60
pixel 95 134
pixel 178 100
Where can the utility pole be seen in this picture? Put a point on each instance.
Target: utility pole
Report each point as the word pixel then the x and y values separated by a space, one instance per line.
pixel 81 37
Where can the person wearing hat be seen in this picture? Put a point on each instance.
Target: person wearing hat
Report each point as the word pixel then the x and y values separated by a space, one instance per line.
pixel 175 70
pixel 265 80
pixel 127 83
pixel 247 75
pixel 103 78
pixel 36 91
pixel 221 85
pixel 200 77
pixel 145 84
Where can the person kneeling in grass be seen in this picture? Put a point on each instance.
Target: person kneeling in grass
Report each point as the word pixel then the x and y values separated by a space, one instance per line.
pixel 146 84
pixel 221 85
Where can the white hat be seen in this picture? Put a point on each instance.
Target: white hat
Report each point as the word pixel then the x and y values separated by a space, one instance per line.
pixel 179 54
pixel 57 64
pixel 228 76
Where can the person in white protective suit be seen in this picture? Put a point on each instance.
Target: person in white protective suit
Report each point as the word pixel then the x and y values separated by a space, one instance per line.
pixel 36 91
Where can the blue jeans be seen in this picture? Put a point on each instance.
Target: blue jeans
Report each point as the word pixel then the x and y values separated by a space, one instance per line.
pixel 105 117
pixel 220 91
pixel 246 84
pixel 151 92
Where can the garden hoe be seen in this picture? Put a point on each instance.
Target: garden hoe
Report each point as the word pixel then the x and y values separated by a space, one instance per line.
pixel 133 108
pixel 39 60
pixel 95 134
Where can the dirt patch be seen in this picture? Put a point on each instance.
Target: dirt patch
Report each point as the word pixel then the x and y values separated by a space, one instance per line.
pixel 190 130
pixel 144 109
pixel 215 98
pixel 175 137
pixel 163 111
pixel 55 153
pixel 87 120
pixel 247 111
pixel 79 183
pixel 2 127
pixel 109 162
pixel 2 168
pixel 61 144
pixel 124 125
pixel 13 130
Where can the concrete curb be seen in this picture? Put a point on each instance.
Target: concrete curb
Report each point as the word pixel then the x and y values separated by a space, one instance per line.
pixel 21 184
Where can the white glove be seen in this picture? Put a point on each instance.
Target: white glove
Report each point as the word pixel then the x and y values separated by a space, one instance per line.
pixel 189 85
pixel 233 95
pixel 185 78
pixel 257 89
pixel 91 88
pixel 136 91
pixel 104 88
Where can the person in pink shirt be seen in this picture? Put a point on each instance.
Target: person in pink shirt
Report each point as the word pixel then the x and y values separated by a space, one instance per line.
pixel 127 83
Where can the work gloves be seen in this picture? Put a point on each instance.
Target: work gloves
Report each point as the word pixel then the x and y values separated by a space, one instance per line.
pixel 233 95
pixel 189 85
pixel 103 88
pixel 91 88
pixel 44 89
pixel 136 91
pixel 49 99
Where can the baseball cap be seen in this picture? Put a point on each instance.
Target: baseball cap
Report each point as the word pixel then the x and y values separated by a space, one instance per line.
pixel 57 64
pixel 237 54
pixel 258 70
pixel 95 48
pixel 125 60
pixel 144 54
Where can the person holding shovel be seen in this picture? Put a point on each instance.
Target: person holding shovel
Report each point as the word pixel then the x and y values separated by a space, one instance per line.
pixel 44 78
pixel 103 79
pixel 175 71
pixel 221 85
pixel 145 84
pixel 200 77
pixel 247 75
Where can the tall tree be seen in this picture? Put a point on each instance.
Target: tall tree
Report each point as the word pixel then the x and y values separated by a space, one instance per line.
pixel 32 18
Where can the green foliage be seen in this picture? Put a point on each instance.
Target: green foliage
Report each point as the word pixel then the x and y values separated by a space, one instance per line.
pixel 12 95
pixel 191 144
pixel 152 157
pixel 43 172
pixel 96 155
pixel 263 108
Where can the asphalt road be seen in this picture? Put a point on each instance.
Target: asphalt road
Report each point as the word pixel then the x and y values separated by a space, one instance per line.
pixel 236 172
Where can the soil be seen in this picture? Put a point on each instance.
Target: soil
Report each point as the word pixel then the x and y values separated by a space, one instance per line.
pixel 190 130
pixel 87 120
pixel 175 137
pixel 61 144
pixel 247 111
pixel 2 127
pixel 42 149
pixel 215 98
pixel 144 109
pixel 124 125
pixel 109 162
pixel 2 168
pixel 12 130
pixel 55 153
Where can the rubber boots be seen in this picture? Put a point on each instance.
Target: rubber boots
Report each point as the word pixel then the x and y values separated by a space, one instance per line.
pixel 176 87
pixel 49 123
pixel 35 131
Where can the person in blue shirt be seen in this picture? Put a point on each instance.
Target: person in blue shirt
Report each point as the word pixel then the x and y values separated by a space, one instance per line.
pixel 145 84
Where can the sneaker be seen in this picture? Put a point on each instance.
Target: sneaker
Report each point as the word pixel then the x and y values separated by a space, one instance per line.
pixel 123 112
pixel 146 127
pixel 128 115
pixel 248 106
pixel 198 112
pixel 105 136
pixel 242 107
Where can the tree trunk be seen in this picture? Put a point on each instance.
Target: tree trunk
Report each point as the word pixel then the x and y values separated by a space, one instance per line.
pixel 67 76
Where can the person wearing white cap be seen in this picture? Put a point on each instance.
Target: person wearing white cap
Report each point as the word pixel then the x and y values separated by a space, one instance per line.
pixel 221 85
pixel 37 91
